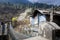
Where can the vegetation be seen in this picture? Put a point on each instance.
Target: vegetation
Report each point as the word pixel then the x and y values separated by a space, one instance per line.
pixel 8 10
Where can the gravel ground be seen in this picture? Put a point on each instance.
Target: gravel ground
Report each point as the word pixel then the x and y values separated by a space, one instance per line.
pixel 36 38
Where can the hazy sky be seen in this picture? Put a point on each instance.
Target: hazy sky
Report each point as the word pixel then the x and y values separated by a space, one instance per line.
pixel 46 1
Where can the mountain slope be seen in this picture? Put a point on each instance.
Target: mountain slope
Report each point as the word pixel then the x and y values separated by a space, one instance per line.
pixel 15 1
pixel 55 2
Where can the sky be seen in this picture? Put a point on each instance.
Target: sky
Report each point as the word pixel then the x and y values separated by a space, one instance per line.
pixel 55 2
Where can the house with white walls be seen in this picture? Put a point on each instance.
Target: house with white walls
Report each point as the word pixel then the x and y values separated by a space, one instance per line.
pixel 37 17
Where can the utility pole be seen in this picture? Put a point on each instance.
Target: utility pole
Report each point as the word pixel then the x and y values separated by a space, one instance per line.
pixel 38 19
pixel 51 14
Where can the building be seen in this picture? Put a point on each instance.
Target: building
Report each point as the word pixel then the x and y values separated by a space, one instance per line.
pixel 49 15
